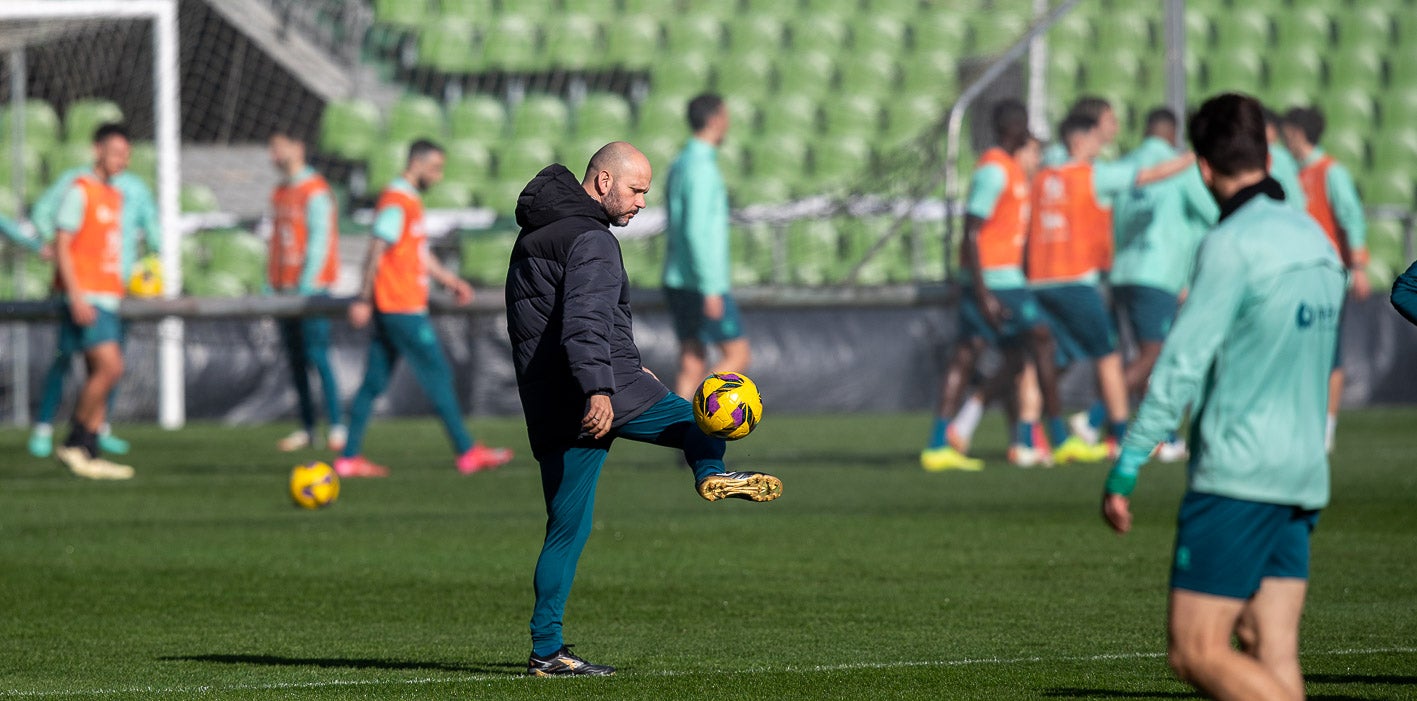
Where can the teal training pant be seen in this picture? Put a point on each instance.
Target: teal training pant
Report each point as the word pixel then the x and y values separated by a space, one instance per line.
pixel 568 480
pixel 409 336
pixel 307 343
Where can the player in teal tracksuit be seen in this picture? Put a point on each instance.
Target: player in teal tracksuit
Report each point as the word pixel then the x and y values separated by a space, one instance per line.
pixel 1250 354
pixel 1404 294
pixel 1157 228
pixel 140 226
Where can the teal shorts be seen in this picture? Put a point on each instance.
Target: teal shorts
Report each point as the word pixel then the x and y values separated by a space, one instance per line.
pixel 1079 319
pixel 106 328
pixel 1023 314
pixel 686 307
pixel 1148 311
pixel 1226 546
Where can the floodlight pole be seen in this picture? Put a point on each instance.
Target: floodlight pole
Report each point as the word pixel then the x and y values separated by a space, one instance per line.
pixel 20 338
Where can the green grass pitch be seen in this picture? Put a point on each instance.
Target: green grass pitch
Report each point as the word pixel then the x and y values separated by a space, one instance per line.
pixel 868 579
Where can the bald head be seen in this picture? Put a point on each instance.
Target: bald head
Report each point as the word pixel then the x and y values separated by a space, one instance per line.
pixel 618 177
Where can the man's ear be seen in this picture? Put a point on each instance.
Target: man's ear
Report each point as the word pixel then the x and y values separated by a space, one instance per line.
pixel 1207 173
pixel 602 182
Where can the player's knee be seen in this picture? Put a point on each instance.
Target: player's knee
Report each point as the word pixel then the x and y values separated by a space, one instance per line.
pixel 1247 635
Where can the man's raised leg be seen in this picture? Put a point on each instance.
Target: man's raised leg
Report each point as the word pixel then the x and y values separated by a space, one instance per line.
pixel 670 423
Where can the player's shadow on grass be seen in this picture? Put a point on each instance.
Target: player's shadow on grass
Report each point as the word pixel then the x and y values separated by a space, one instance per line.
pixel 1384 679
pixel 352 663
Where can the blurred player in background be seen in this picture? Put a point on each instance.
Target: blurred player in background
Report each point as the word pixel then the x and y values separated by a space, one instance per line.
pixel 696 261
pixel 1156 228
pixel 1333 202
pixel 1070 244
pixel 394 295
pixel 304 260
pixel 1404 294
pixel 580 374
pixel 998 308
pixel 1091 107
pixel 88 256
pixel 1282 166
pixel 139 228
pixel 1250 351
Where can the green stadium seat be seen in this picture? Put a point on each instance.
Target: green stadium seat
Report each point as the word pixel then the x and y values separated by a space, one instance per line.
pixel 1298 69
pixel 1282 98
pixel 197 198
pixel 1236 69
pixel 791 114
pixel 468 161
pixel 1073 33
pixel 910 116
pixel 1390 187
pixel 143 162
pixel 1402 66
pixel 386 162
pixel 879 33
pixel 511 43
pixel 574 42
pixel 689 73
pixel 519 160
pixel 9 207
pixel 84 117
pixel 1125 30
pixel 851 114
pixel 1351 109
pixel 1243 27
pixel 478 117
pixel 756 35
pixel 541 116
pixel 1364 27
pixel 661 151
pixel 63 156
pixel 1406 27
pixel 1303 28
pixel 1356 69
pixel 875 74
pixel 993 33
pixel 742 110
pixel 732 160
pixel 759 191
pixel 1347 146
pixel 1398 101
pixel 537 11
pixel 446 46
pixel 844 9
pixel 934 73
pixel 633 42
pixel 467 10
pixel 939 31
pixel 604 114
pixel 841 162
pixel 41 124
pixel 747 74
pixel 501 195
pixel 449 194
pixel 664 115
pixel 1120 68
pixel 817 33
pixel 698 32
pixel 32 164
pixel 1200 30
pixel 403 13
pixel 575 151
pixel 806 72
pixel 776 9
pixel 1395 150
pixel 349 129
pixel 484 256
pixel 416 117
pixel 782 157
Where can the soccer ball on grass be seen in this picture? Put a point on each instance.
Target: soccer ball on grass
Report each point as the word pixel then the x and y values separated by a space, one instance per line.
pixel 314 485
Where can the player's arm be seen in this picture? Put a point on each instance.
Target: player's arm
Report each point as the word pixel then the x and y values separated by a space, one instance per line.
pixel 591 292
pixel 317 241
pixel 706 232
pixel 1165 169
pixel 148 219
pixel 68 218
pixel 1404 294
pixel 1348 211
pixel 450 279
pixel 985 187
pixel 12 231
pixel 388 227
pixel 1216 291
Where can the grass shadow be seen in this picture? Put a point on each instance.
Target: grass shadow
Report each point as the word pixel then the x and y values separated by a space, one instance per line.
pixel 1385 679
pixel 1073 693
pixel 352 663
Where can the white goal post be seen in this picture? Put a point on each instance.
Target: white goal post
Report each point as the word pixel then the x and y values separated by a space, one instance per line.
pixel 163 15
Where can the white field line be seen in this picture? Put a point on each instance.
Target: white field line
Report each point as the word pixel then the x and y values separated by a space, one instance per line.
pixel 790 669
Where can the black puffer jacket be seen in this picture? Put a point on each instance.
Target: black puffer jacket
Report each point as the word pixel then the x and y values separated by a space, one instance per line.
pixel 568 314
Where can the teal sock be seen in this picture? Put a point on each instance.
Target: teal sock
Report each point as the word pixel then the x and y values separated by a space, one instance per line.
pixel 939 434
pixel 1025 434
pixel 1057 432
pixel 1097 415
pixel 1119 430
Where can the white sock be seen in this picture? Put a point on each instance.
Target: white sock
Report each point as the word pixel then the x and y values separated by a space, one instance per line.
pixel 1329 429
pixel 105 430
pixel 968 417
pixel 43 430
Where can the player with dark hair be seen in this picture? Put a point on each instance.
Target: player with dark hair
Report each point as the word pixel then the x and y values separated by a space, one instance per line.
pixel 1250 353
pixel 1282 166
pixel 1070 244
pixel 88 261
pixel 304 260
pixel 1092 107
pixel 394 295
pixel 1333 202
pixel 696 261
pixel 997 308
pixel 580 376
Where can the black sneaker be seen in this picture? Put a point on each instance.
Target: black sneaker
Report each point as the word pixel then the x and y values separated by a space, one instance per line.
pixel 753 486
pixel 564 664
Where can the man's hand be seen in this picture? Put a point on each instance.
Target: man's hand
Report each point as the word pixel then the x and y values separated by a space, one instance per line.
pixel 1117 512
pixel 82 312
pixel 46 252
pixel 713 307
pixel 1362 287
pixel 359 314
pixel 462 291
pixel 994 312
pixel 649 372
pixel 599 417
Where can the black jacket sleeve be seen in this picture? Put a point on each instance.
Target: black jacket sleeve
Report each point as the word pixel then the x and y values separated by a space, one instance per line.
pixel 1404 294
pixel 590 293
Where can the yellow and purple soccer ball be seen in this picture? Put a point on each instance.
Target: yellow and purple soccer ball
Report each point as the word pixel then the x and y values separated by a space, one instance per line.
pixel 728 405
pixel 147 278
pixel 314 485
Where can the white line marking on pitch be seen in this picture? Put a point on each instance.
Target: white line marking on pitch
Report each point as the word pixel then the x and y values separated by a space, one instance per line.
pixel 845 667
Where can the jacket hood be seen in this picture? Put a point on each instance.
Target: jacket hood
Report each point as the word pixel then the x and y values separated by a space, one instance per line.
pixel 555 194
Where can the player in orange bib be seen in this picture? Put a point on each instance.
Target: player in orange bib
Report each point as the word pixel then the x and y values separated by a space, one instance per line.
pixel 1070 245
pixel 1333 202
pixel 88 253
pixel 394 295
pixel 304 260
